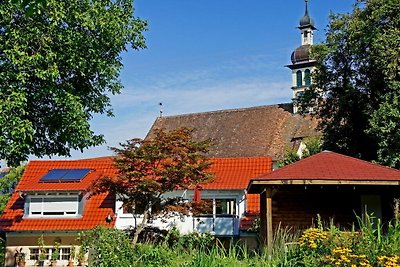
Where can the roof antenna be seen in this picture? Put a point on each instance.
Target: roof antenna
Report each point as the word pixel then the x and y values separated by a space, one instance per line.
pixel 161 111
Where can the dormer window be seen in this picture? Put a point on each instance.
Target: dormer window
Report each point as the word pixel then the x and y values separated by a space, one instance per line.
pixel 53 205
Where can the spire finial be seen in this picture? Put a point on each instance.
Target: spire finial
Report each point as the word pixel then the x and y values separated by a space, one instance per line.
pixel 306 1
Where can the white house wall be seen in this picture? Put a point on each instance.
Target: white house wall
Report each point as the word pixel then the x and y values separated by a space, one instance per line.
pixel 221 226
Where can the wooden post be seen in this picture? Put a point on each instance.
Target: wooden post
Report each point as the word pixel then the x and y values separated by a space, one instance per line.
pixel 263 218
pixel 269 219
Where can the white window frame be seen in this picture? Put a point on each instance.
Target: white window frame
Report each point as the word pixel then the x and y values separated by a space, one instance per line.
pixel 49 251
pixel 36 206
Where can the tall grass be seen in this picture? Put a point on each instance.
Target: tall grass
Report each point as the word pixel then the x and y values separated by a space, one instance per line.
pixel 218 255
pixel 372 244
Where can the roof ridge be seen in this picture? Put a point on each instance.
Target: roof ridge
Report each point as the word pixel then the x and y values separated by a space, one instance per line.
pixel 361 160
pixel 71 160
pixel 237 158
pixel 225 110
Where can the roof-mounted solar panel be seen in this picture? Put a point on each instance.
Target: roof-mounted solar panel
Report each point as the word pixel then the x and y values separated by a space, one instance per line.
pixel 65 175
pixel 53 175
pixel 75 175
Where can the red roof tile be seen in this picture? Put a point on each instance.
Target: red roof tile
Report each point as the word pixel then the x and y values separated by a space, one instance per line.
pixel 252 204
pixel 333 166
pixel 235 173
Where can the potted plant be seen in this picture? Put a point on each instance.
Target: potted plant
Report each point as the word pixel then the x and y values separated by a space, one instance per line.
pixel 81 256
pixel 72 255
pixel 21 258
pixel 55 253
pixel 42 251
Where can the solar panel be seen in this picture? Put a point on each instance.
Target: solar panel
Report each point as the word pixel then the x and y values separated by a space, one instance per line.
pixel 65 175
pixel 75 175
pixel 54 175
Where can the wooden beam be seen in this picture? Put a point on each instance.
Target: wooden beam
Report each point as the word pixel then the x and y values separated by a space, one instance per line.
pixel 255 186
pixel 269 219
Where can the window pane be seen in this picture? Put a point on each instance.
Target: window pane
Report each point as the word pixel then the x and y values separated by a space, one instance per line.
pixel 225 206
pixel 307 77
pixel 206 207
pixel 60 204
pixel 299 78
pixel 35 205
pixel 65 253
pixel 33 253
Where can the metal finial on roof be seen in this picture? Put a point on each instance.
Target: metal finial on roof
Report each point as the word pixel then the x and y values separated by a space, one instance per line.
pixel 306 19
pixel 161 111
pixel 306 6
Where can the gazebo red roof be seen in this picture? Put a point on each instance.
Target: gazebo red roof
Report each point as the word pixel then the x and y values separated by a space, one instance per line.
pixel 329 167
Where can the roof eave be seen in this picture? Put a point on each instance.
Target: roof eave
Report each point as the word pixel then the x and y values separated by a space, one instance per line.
pixel 256 186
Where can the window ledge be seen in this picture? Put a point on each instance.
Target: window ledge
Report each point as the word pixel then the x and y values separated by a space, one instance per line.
pixel 52 217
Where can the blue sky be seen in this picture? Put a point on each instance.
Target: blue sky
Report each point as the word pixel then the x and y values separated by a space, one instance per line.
pixel 207 55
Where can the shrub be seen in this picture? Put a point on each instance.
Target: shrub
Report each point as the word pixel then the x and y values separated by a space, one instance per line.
pixel 108 247
pixel 152 255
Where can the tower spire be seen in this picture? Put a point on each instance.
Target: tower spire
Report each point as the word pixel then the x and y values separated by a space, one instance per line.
pixel 302 64
pixel 306 13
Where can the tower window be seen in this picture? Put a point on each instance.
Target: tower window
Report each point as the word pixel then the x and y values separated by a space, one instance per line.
pixel 299 78
pixel 307 77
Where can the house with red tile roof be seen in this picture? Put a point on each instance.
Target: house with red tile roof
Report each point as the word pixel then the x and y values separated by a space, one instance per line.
pixel 232 210
pixel 51 200
pixel 334 186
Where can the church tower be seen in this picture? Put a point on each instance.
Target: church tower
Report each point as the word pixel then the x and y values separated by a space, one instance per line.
pixel 302 65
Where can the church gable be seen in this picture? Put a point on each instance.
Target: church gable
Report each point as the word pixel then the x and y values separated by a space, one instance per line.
pixel 247 132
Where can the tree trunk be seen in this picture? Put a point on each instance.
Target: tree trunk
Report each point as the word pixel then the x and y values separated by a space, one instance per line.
pixel 140 228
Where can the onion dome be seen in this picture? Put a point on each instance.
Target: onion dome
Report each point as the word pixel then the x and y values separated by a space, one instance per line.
pixel 301 54
pixel 306 20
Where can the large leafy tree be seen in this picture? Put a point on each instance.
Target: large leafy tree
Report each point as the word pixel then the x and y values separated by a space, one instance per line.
pixel 8 181
pixel 59 61
pixel 150 168
pixel 357 82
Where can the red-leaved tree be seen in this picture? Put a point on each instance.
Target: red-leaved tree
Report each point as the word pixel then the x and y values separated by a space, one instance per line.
pixel 147 169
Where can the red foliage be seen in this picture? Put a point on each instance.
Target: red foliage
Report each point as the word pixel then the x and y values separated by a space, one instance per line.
pixel 151 167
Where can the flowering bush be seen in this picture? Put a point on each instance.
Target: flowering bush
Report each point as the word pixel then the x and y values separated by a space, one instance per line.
pixel 344 257
pixel 389 261
pixel 313 237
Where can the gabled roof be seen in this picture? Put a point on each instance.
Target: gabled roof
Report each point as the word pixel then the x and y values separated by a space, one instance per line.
pixel 247 132
pixel 329 168
pixel 36 169
pixel 94 212
pixel 230 173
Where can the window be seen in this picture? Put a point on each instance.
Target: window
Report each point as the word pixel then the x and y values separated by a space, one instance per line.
pixel 299 78
pixel 307 77
pixel 43 206
pixel 65 253
pixel 305 36
pixel 225 207
pixel 207 207
pixel 127 210
pixel 218 207
pixel 34 253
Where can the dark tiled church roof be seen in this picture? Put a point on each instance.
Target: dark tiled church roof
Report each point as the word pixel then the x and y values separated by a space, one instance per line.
pixel 246 132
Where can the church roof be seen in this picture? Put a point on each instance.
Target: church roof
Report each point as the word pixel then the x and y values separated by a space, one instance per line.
pixel 301 54
pixel 247 132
